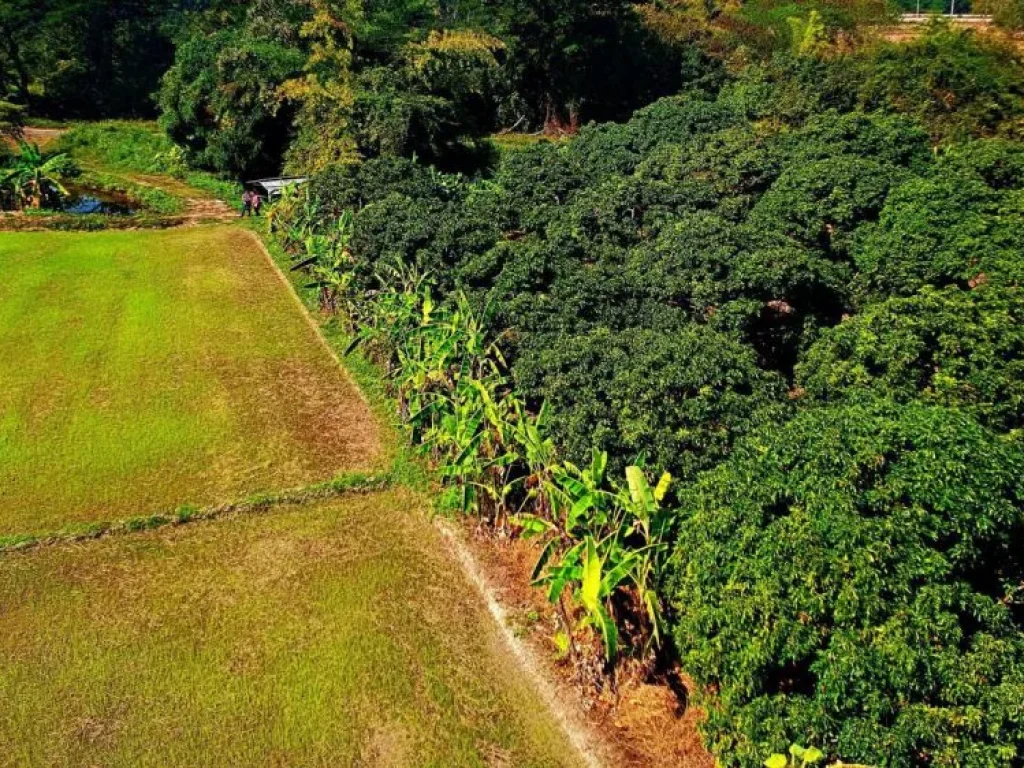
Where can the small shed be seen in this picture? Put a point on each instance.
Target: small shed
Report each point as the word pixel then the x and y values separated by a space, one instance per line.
pixel 271 189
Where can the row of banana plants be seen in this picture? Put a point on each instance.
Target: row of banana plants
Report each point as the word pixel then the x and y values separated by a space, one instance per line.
pixel 604 539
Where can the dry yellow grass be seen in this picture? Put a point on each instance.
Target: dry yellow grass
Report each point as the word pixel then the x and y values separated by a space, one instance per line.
pixel 337 634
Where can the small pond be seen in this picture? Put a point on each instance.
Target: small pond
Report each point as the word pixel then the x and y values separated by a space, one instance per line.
pixel 82 200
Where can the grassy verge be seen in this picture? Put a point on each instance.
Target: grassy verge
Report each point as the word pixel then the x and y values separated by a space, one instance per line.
pixel 334 634
pixel 143 370
pixel 136 148
pixel 407 468
pixel 28 221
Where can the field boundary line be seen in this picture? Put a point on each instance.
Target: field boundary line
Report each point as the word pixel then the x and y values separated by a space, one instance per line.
pixel 344 485
pixel 578 734
pixel 310 321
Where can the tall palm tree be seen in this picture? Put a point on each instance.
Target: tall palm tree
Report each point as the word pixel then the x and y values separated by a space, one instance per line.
pixel 34 178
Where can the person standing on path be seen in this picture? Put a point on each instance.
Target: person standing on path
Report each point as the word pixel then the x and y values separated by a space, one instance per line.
pixel 247 203
pixel 257 203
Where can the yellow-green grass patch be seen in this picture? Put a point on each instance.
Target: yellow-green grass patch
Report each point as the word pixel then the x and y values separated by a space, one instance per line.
pixel 142 370
pixel 332 634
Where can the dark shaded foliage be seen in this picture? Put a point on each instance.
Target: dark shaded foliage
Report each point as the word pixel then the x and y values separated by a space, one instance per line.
pixel 219 102
pixel 676 399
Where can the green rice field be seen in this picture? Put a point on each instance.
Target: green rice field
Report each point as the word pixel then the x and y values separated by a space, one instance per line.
pixel 142 370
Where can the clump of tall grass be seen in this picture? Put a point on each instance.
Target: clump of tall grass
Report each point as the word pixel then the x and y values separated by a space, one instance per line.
pixel 122 144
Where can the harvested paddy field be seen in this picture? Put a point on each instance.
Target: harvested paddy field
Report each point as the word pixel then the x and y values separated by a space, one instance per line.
pixel 330 634
pixel 143 370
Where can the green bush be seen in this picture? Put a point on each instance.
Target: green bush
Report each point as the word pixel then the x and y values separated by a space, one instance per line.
pixel 999 162
pixel 957 82
pixel 219 101
pixel 891 139
pixel 947 229
pixel 822 203
pixel 649 294
pixel 853 577
pixel 950 347
pixel 678 400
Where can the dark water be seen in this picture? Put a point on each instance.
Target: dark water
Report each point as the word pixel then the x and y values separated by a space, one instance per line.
pixel 81 200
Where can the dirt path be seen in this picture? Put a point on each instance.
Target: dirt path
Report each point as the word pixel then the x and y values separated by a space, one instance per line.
pixel 43 136
pixel 199 207
pixel 198 210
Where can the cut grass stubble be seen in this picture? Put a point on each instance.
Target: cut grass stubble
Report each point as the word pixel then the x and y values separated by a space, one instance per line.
pixel 143 370
pixel 330 634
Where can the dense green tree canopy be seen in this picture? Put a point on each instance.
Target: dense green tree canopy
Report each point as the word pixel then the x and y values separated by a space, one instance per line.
pixel 87 58
pixel 949 347
pixel 810 315
pixel 220 102
pixel 677 399
pixel 845 576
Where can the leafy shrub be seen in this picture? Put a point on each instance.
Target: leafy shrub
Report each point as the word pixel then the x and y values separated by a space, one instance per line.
pixel 821 203
pixel 790 90
pixel 950 347
pixel 956 82
pixel 851 576
pixel 677 399
pixel 618 148
pixel 893 139
pixel 999 162
pixel 943 230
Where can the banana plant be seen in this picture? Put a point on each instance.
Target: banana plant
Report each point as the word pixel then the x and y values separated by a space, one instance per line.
pixel 328 259
pixel 799 757
pixel 295 216
pixel 603 540
pixel 533 450
pixel 387 314
pixel 34 178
